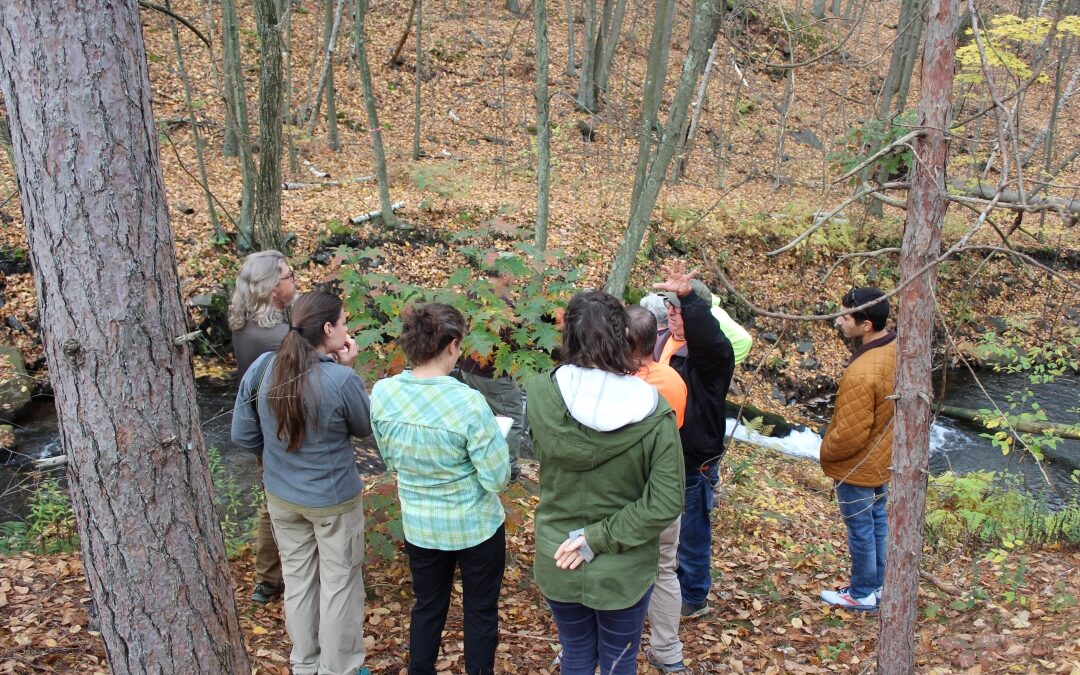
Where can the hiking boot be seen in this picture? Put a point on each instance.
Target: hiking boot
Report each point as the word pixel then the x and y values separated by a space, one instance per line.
pixel 515 474
pixel 676 667
pixel 265 592
pixel 842 597
pixel 694 611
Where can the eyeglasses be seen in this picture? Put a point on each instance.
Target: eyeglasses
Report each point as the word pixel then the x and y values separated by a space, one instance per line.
pixel 290 275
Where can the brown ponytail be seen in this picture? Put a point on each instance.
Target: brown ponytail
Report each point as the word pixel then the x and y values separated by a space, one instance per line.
pixel 295 358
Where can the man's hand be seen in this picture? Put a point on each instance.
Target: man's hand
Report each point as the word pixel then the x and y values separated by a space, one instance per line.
pixel 678 279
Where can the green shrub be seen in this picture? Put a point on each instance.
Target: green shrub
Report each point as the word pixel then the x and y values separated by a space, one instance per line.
pixel 49 526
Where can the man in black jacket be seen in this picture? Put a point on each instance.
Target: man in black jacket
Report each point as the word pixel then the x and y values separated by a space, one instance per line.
pixel 699 351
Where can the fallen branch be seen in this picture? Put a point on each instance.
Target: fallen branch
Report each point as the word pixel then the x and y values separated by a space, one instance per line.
pixel 314 171
pixel 939 584
pixel 1017 424
pixel 330 183
pixel 49 462
pixel 374 214
pixel 1015 200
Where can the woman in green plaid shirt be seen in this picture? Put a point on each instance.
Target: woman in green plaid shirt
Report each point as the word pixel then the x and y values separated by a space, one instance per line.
pixel 442 440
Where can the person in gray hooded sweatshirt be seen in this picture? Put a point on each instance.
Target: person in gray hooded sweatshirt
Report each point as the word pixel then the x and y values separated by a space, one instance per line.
pixel 611 479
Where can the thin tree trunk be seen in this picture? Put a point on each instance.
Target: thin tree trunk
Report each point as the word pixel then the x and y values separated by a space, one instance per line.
pixel 305 111
pixel 654 84
pixel 543 125
pixel 705 26
pixel 234 78
pixel 287 112
pixel 607 52
pixel 333 140
pixel 818 9
pixel 571 66
pixel 586 88
pixel 93 200
pixel 835 7
pixel 395 58
pixel 687 145
pixel 915 327
pixel 418 76
pixel 326 80
pixel 219 234
pixel 513 6
pixel 389 219
pixel 219 83
pixel 268 194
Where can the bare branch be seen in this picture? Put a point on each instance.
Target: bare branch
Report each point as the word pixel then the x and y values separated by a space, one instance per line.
pixel 820 222
pixel 860 254
pixel 168 12
pixel 903 140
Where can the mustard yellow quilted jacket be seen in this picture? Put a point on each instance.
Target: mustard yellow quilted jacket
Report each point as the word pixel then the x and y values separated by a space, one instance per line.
pixel 857 448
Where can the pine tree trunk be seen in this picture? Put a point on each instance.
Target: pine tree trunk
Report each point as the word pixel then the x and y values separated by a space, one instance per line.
pixel 915 327
pixel 77 91
pixel 237 100
pixel 271 83
pixel 388 217
pixel 705 26
pixel 418 77
pixel 543 125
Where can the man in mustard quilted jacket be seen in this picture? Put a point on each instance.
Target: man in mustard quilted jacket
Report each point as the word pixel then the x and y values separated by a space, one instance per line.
pixel 857 449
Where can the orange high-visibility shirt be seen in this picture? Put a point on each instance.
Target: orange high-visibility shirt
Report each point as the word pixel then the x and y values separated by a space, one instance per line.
pixel 670 385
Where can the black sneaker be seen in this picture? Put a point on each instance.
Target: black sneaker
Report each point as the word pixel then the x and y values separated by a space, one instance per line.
pixel 265 592
pixel 694 611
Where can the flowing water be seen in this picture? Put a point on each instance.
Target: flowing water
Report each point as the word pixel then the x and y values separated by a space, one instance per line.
pixel 954 445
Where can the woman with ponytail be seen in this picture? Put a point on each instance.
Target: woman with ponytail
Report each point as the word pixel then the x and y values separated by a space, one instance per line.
pixel 301 405
pixel 442 440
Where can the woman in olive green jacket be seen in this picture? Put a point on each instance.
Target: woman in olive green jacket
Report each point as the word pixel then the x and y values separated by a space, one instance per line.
pixel 611 480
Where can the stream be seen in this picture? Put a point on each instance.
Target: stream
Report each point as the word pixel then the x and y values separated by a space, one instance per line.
pixel 954 445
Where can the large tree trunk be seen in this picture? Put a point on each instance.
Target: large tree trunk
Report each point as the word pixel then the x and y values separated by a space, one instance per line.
pixel 705 26
pixel 271 84
pixel 77 91
pixel 915 326
pixel 236 99
pixel 543 125
pixel 385 205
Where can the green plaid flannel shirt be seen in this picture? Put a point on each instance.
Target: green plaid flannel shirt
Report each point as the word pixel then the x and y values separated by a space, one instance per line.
pixel 441 439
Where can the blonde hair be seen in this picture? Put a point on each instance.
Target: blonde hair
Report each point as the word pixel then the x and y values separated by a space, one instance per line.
pixel 252 300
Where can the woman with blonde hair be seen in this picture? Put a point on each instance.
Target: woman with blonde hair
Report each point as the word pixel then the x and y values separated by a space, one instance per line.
pixel 265 286
pixel 301 410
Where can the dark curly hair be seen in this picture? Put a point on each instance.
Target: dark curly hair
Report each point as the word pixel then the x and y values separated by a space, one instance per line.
pixel 594 333
pixel 428 329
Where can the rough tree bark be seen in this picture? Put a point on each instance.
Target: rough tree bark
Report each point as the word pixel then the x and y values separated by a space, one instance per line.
pixel 543 125
pixel 388 217
pixel 911 434
pixel 705 26
pixel 76 87
pixel 271 85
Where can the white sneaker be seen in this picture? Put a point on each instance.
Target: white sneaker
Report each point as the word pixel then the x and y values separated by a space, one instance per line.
pixel 841 597
pixel 877 593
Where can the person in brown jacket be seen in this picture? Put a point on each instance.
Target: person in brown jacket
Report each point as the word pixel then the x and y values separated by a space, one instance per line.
pixel 857 449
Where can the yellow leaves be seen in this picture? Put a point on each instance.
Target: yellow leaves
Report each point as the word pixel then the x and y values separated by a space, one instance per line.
pixel 259 630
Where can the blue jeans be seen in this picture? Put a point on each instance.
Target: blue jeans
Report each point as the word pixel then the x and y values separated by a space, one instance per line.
pixel 863 509
pixel 591 637
pixel 695 536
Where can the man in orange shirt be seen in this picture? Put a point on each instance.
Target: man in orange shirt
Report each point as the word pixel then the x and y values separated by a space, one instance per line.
pixel 665 607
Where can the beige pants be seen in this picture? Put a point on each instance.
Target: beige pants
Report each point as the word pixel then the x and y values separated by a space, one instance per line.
pixel 665 607
pixel 324 589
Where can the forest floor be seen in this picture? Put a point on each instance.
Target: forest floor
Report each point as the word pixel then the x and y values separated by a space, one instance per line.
pixel 778 541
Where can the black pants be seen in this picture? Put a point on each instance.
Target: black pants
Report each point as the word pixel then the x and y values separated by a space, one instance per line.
pixel 481 580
